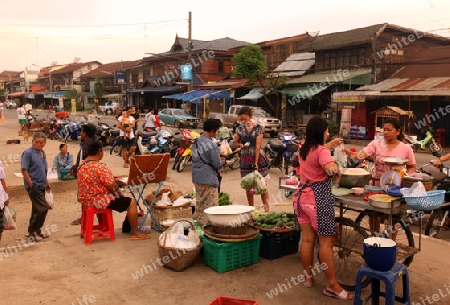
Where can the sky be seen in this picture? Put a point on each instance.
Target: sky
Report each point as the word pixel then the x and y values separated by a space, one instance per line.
pixel 38 33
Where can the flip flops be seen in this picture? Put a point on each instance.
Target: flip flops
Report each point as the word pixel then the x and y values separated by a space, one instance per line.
pixel 343 296
pixel 307 285
pixel 140 236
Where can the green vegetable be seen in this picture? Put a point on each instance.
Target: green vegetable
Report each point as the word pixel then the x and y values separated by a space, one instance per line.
pixel 224 199
pixel 279 224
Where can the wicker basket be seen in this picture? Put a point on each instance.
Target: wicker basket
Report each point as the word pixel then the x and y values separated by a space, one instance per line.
pixel 179 259
pixel 229 230
pixel 170 212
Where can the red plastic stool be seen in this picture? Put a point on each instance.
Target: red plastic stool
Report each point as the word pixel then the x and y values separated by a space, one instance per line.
pixel 105 229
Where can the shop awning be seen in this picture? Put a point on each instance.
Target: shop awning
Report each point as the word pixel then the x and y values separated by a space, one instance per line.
pixel 254 94
pixel 197 96
pixel 160 89
pixel 354 77
pixel 303 92
pixel 18 94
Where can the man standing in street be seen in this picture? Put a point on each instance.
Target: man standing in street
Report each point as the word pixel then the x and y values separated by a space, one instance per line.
pixel 34 170
pixel 135 114
pixel 149 124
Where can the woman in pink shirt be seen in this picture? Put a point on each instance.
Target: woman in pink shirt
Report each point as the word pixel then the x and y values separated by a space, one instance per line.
pixel 314 206
pixel 391 145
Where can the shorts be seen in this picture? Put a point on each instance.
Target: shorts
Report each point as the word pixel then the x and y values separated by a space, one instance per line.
pixel 127 143
pixel 23 121
pixel 308 214
pixel 120 204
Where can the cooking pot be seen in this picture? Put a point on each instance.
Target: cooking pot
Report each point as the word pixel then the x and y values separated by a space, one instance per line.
pixel 350 179
pixel 380 254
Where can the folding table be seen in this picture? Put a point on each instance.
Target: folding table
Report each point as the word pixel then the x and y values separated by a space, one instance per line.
pixel 146 169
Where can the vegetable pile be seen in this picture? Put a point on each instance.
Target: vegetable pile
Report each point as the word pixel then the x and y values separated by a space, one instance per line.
pixel 224 199
pixel 273 220
pixel 255 183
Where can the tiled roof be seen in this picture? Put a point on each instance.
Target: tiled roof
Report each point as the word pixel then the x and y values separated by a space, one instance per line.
pixel 110 68
pixel 221 44
pixel 9 75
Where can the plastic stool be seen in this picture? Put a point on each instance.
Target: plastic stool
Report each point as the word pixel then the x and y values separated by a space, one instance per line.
pixel 105 229
pixel 389 278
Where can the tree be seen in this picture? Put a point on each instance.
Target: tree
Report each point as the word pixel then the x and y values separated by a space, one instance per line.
pixel 250 63
pixel 98 90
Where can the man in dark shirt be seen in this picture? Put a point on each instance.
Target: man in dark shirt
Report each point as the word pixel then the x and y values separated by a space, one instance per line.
pixel 135 114
pixel 34 170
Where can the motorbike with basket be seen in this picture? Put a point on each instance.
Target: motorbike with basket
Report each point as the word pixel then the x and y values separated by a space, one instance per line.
pixel 184 144
pixel 186 156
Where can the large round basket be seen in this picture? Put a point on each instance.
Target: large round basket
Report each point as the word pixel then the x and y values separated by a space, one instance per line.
pixel 432 200
pixel 249 233
pixel 179 259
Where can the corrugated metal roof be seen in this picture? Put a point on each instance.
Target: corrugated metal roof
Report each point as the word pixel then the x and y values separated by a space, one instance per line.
pixel 410 84
pixel 297 64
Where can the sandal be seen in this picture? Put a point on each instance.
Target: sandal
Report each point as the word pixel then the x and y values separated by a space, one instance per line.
pixel 307 285
pixel 76 222
pixel 343 296
pixel 126 165
pixel 140 236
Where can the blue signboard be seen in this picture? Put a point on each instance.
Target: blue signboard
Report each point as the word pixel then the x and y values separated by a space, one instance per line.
pixel 186 71
pixel 120 78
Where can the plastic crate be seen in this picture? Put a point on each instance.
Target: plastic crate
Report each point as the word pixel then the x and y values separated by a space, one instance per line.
pixel 275 245
pixel 232 301
pixel 63 172
pixel 224 256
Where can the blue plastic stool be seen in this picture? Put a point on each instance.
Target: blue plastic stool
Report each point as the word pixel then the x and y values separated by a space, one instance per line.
pixel 389 278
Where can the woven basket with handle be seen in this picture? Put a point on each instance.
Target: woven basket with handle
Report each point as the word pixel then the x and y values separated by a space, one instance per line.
pixel 179 259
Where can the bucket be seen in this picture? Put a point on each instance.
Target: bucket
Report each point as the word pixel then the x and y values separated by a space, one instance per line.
pixel 380 254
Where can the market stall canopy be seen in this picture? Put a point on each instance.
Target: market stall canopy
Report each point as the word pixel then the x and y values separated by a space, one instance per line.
pixel 431 86
pixel 197 96
pixel 254 94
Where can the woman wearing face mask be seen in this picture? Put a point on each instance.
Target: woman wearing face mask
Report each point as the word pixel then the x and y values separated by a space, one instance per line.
pixel 251 157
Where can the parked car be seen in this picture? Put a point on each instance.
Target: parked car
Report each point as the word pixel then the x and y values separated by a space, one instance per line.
pixel 269 124
pixel 109 108
pixel 178 118
pixel 10 104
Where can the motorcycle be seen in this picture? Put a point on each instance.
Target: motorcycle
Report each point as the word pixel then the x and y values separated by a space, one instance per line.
pixel 428 141
pixel 106 133
pixel 183 143
pixel 441 180
pixel 143 140
pixel 161 143
pixel 116 146
pixel 280 154
pixel 186 156
pixel 72 131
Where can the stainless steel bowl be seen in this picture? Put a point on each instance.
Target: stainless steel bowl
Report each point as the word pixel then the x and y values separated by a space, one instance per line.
pixel 350 180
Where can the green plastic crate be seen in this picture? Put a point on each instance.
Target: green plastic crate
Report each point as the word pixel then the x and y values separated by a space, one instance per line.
pixel 224 256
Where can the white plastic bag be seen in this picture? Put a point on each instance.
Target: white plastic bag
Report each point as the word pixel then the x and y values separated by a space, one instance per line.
pixel 340 156
pixel 165 200
pixel 8 221
pixel 416 190
pixel 254 183
pixel 49 199
pixel 225 148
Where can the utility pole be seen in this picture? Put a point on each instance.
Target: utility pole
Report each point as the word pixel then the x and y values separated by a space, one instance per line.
pixel 189 37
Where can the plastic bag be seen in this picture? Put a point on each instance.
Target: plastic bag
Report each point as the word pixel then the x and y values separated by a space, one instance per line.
pixel 49 199
pixel 340 157
pixel 416 190
pixel 254 182
pixel 8 221
pixel 165 200
pixel 225 148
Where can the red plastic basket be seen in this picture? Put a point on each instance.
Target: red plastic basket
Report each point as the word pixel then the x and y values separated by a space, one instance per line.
pixel 232 301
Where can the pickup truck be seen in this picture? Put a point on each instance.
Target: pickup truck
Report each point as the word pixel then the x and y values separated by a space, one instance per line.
pixel 109 108
pixel 269 124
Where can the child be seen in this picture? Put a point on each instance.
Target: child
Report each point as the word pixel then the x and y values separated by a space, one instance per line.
pixel 126 124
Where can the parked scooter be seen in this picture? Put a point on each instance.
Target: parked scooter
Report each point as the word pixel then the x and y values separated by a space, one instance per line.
pixel 160 143
pixel 280 154
pixel 428 141
pixel 183 144
pixel 187 153
pixel 441 180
